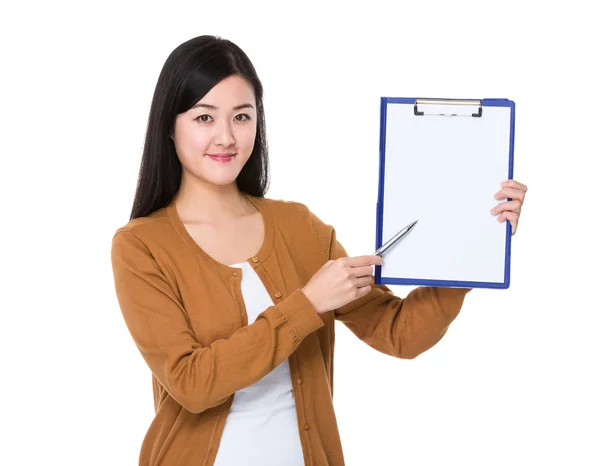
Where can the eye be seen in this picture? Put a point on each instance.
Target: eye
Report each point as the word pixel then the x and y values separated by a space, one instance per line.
pixel 242 117
pixel 204 118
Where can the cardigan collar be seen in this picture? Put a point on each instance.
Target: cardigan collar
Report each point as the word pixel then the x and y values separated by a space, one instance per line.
pixel 254 261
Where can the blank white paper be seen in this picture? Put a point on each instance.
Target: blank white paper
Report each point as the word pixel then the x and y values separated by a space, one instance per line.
pixel 443 171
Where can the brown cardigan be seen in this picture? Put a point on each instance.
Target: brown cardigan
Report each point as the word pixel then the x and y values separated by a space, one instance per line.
pixel 186 314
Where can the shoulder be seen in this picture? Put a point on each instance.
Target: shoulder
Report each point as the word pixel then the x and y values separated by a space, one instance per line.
pixel 297 218
pixel 284 209
pixel 145 230
pixel 289 211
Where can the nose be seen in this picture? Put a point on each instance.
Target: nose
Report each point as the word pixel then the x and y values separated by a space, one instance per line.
pixel 223 135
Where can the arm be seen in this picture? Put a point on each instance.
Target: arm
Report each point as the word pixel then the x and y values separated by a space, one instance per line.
pixel 200 377
pixel 400 327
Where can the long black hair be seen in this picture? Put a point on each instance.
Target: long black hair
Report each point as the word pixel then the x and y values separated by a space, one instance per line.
pixel 189 72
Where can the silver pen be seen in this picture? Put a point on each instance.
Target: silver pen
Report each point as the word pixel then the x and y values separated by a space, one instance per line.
pixel 397 237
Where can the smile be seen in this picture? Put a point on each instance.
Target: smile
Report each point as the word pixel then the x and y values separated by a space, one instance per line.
pixel 221 157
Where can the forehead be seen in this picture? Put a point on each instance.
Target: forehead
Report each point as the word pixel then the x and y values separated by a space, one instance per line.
pixel 230 92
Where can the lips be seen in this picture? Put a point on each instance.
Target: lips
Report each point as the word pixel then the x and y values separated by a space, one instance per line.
pixel 221 157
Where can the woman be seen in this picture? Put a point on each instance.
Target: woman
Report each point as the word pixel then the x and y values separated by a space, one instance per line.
pixel 231 297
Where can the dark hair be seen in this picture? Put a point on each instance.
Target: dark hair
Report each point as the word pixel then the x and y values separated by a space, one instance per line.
pixel 190 71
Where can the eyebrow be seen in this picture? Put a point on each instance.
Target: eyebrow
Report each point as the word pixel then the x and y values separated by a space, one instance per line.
pixel 212 107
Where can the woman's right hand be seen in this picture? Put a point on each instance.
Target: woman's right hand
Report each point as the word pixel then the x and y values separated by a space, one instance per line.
pixel 341 281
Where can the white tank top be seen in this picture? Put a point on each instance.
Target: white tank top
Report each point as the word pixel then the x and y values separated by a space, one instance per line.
pixel 262 427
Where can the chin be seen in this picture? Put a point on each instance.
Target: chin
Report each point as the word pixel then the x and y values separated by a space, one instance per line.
pixel 220 181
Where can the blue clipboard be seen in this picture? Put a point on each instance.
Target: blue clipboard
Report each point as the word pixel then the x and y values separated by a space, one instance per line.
pixel 440 162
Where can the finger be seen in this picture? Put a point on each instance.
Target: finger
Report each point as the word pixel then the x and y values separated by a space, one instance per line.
pixel 361 261
pixel 512 217
pixel 362 281
pixel 510 193
pixel 366 270
pixel 514 206
pixel 363 291
pixel 514 184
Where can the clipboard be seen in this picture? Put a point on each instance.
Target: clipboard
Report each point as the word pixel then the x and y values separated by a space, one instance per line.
pixel 440 162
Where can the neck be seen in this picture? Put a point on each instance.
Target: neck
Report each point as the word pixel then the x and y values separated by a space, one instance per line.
pixel 207 203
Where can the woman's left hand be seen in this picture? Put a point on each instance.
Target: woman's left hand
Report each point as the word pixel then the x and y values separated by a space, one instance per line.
pixel 510 210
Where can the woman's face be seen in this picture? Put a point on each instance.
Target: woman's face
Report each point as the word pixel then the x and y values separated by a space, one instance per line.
pixel 215 138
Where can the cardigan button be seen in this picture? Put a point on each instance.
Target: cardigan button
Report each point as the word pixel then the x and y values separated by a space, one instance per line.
pixel 299 380
pixel 278 295
pixel 306 427
pixel 255 259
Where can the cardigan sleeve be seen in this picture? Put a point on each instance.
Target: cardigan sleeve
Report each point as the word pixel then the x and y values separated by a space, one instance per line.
pixel 200 377
pixel 399 327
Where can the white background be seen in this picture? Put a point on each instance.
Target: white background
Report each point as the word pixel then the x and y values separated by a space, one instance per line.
pixel 515 379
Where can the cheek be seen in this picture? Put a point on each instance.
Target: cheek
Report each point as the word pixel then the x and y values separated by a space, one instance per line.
pixel 199 140
pixel 188 145
pixel 246 139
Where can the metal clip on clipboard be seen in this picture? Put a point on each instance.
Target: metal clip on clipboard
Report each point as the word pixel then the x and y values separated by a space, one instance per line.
pixel 448 107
